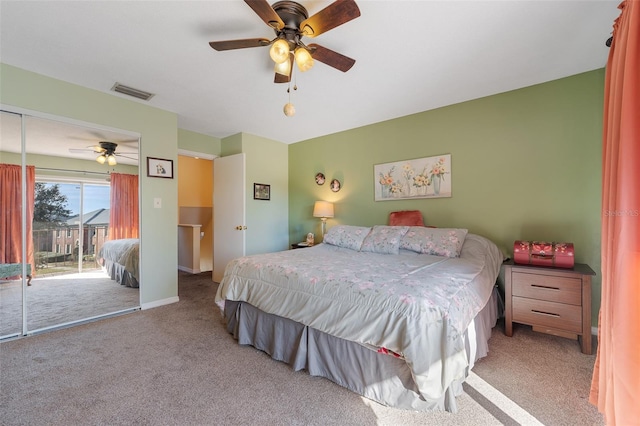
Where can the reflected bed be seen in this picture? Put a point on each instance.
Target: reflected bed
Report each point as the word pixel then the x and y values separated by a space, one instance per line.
pixel 121 260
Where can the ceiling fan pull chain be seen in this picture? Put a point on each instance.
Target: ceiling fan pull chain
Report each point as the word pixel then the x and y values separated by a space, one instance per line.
pixel 289 110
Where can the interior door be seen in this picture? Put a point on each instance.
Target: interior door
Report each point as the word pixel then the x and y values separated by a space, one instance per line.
pixel 229 228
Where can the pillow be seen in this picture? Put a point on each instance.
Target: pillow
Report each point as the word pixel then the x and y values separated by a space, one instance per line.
pixel 347 236
pixel 384 239
pixel 437 241
pixel 406 218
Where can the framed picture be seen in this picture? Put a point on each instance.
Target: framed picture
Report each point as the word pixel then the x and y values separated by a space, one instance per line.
pixel 428 177
pixel 157 167
pixel 261 191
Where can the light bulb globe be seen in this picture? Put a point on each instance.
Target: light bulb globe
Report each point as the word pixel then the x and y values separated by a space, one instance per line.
pixel 303 59
pixel 279 51
pixel 101 159
pixel 284 68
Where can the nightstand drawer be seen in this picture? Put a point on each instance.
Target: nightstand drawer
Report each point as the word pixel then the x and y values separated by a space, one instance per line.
pixel 547 287
pixel 547 314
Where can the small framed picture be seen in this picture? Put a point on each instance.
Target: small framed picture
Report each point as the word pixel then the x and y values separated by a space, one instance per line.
pixel 157 167
pixel 335 185
pixel 320 179
pixel 261 191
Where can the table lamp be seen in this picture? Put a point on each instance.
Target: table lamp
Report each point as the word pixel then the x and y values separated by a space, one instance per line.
pixel 323 210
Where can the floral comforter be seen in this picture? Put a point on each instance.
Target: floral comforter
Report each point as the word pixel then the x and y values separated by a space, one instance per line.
pixel 415 305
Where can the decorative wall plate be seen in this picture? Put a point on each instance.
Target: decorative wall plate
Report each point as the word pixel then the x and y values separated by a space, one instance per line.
pixel 335 185
pixel 320 179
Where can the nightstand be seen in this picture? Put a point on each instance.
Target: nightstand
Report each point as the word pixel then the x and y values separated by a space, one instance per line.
pixel 299 245
pixel 552 300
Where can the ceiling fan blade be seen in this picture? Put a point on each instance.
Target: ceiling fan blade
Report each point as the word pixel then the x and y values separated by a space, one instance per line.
pixel 239 44
pixel 124 156
pixel 331 58
pixel 335 14
pixel 281 78
pixel 80 150
pixel 264 10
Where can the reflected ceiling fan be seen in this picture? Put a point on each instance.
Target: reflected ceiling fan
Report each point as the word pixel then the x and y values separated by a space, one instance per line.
pixel 291 22
pixel 106 152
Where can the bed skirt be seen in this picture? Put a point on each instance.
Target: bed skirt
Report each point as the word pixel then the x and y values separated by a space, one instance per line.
pixel 379 377
pixel 119 274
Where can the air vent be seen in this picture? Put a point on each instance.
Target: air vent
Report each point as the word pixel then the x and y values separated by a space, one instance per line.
pixel 136 93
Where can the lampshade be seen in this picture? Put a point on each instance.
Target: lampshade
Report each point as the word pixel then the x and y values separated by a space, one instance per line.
pixel 323 209
pixel 111 160
pixel 303 59
pixel 101 159
pixel 279 51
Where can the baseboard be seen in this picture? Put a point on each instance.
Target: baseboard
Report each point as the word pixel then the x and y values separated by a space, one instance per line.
pixel 189 270
pixel 162 302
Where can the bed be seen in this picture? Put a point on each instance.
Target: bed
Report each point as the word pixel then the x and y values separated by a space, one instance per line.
pixel 397 314
pixel 121 260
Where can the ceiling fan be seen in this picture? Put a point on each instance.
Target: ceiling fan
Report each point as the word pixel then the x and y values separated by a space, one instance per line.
pixel 291 21
pixel 106 152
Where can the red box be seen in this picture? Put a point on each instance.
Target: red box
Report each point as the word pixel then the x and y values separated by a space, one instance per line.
pixel 541 253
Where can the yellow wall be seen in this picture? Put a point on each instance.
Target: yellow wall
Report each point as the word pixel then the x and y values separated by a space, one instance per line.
pixel 195 185
pixel 195 203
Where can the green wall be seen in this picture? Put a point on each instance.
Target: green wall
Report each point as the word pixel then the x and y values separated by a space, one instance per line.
pixel 197 142
pixel 526 165
pixel 30 92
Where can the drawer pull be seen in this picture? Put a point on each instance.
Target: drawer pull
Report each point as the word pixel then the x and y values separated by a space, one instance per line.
pixel 545 287
pixel 551 314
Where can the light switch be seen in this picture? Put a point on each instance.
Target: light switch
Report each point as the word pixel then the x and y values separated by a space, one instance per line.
pixel 157 203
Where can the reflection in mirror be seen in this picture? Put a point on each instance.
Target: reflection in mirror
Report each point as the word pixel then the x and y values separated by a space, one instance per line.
pixel 84 221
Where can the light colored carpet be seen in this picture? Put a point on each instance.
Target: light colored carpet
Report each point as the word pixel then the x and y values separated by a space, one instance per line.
pixel 60 299
pixel 177 365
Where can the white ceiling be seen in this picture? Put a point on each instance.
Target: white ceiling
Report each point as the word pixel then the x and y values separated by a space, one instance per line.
pixel 411 56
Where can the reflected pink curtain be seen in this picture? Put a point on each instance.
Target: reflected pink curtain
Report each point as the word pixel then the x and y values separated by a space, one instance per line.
pixel 615 387
pixel 123 213
pixel 11 213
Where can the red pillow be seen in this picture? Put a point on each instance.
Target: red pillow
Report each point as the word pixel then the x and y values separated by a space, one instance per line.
pixel 406 218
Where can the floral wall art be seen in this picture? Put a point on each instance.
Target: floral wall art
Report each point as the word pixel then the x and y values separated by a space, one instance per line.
pixel 428 177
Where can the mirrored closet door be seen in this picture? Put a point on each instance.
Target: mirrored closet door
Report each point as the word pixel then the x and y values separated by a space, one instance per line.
pixel 76 268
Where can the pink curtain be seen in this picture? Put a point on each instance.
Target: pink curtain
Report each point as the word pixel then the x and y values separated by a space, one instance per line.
pixel 123 214
pixel 615 387
pixel 11 213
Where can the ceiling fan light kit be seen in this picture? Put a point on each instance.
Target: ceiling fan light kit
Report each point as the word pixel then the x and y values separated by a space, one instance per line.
pixel 290 21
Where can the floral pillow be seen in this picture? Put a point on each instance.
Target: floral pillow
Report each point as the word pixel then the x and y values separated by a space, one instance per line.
pixel 436 241
pixel 347 236
pixel 384 239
